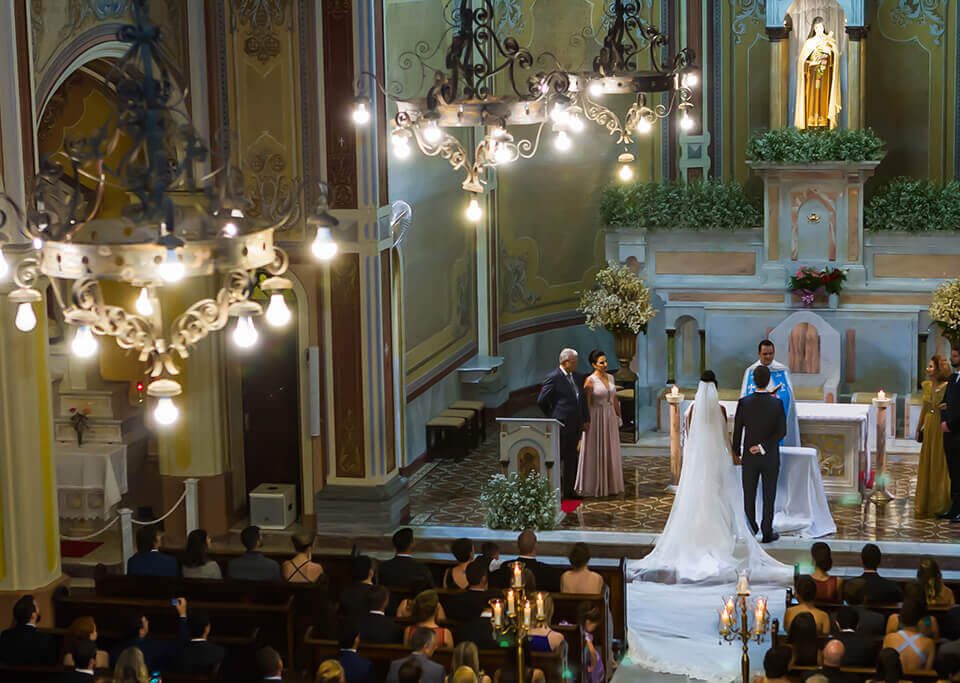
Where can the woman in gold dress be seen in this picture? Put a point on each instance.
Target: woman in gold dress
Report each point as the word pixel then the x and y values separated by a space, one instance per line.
pixel 818 80
pixel 933 481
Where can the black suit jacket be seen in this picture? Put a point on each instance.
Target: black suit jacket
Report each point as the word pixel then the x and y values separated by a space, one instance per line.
pixel 878 590
pixel 402 571
pixel 198 657
pixel 380 629
pixel 479 632
pixel 355 601
pixel 158 654
pixel 468 604
pixel 546 575
pixel 357 669
pixel 858 650
pixel 951 414
pixel 76 677
pixel 26 646
pixel 759 421
pixel 558 400
pixel 870 623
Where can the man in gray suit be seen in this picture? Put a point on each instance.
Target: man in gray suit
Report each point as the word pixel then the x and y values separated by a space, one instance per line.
pixel 422 643
pixel 252 565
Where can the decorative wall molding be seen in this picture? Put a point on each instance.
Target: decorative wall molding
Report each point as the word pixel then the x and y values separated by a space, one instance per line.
pixel 744 11
pixel 262 17
pixel 930 13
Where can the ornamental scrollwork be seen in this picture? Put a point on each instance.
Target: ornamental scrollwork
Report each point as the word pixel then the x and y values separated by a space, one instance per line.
pixel 922 12
pixel 744 11
pixel 262 16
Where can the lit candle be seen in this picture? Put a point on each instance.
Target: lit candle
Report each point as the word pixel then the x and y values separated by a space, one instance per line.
pixel 540 614
pixel 729 606
pixel 497 613
pixel 674 391
pixel 882 395
pixel 526 614
pixel 743 586
pixel 724 617
pixel 517 576
pixel 510 604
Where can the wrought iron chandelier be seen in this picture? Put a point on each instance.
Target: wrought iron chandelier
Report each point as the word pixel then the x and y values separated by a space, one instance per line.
pixel 171 230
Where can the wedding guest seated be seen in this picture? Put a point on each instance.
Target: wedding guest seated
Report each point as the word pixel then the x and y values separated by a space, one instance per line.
pixel 466 656
pixel 356 669
pixel 806 596
pixel 196 559
pixel 301 568
pixel 776 665
pixel 148 560
pixel 802 638
pixel 426 612
pixel 469 604
pixel 478 631
pixel 455 577
pixel 252 565
pixel 22 644
pixel 876 589
pixel 131 667
pixel 269 664
pixel 947 666
pixel 915 649
pixel 410 672
pixel 422 646
pixel 547 576
pixel 869 623
pixel 544 638
pixel 83 628
pixel 859 650
pixel 404 610
pixel 927 624
pixel 832 660
pixel 84 652
pixel 491 551
pixel 508 672
pixel 376 626
pixel 931 580
pixel 330 671
pixel 580 578
pixel 198 656
pixel 589 620
pixel 828 587
pixel 889 669
pixel 402 571
pixel 355 598
pixel 156 653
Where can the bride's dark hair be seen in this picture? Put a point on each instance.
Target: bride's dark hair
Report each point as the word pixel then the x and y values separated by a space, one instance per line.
pixel 708 376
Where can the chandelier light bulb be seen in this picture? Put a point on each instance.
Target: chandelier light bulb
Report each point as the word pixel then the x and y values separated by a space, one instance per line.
pixel 686 121
pixel 625 172
pixel 323 247
pixel 562 142
pixel 143 304
pixel 37 243
pixel 502 155
pixel 166 413
pixel 172 268
pixel 278 314
pixel 432 133
pixel 361 114
pixel 26 319
pixel 4 266
pixel 559 114
pixel 595 89
pixel 644 125
pixel 245 334
pixel 690 79
pixel 474 211
pixel 575 123
pixel 401 148
pixel 230 229
pixel 83 344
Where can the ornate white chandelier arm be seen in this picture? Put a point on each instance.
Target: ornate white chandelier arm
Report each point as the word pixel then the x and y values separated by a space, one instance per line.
pixel 527 148
pixel 602 116
pixel 26 273
pixel 209 315
pixel 130 331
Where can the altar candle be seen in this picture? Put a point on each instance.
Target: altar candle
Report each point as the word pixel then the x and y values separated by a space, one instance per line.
pixel 540 614
pixel 517 576
pixel 674 391
pixel 510 604
pixel 497 613
pixel 729 606
pixel 526 614
pixel 724 617
pixel 882 395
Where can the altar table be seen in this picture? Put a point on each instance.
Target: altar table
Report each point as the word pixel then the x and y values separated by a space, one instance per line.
pixel 801 506
pixel 90 479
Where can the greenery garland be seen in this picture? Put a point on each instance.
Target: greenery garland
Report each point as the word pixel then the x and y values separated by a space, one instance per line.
pixel 516 503
pixel 914 205
pixel 706 205
pixel 792 146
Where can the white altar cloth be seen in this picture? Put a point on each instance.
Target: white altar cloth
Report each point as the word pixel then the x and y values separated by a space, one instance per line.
pixel 801 505
pixel 90 479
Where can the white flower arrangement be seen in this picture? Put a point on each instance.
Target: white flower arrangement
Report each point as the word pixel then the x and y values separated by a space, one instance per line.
pixel 517 503
pixel 945 307
pixel 620 302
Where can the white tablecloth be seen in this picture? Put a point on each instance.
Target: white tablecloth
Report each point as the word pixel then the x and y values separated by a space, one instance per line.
pixel 90 479
pixel 801 505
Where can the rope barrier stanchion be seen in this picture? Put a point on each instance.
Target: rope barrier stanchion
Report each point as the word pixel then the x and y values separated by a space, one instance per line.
pixel 126 537
pixel 87 537
pixel 191 505
pixel 167 514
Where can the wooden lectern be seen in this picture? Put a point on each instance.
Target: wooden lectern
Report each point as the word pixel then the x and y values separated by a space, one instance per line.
pixel 530 444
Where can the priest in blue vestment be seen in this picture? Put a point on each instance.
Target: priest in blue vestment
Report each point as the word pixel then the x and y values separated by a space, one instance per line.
pixel 779 378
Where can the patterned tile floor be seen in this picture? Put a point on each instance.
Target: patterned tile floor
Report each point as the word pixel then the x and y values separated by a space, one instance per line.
pixel 446 493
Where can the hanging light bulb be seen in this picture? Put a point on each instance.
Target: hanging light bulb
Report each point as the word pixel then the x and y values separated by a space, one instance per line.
pixel 323 247
pixel 26 319
pixel 686 121
pixel 595 89
pixel 690 79
pixel 361 113
pixel 575 123
pixel 474 211
pixel 625 173
pixel 432 133
pixel 503 155
pixel 278 314
pixel 230 229
pixel 172 268
pixel 562 142
pixel 4 266
pixel 37 243
pixel 245 334
pixel 166 413
pixel 143 304
pixel 559 114
pixel 644 125
pixel 401 147
pixel 83 345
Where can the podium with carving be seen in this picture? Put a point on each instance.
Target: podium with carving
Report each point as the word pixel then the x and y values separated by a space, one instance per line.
pixel 530 444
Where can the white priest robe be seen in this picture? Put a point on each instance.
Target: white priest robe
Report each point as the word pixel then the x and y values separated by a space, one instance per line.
pixel 779 377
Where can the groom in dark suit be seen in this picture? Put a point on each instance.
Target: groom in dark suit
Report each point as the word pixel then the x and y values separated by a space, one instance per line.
pixel 950 424
pixel 561 397
pixel 757 429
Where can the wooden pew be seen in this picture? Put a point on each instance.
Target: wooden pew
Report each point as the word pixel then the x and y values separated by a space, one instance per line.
pixel 43 674
pixel 921 676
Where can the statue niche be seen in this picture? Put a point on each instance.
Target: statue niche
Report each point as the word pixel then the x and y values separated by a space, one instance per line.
pixel 818 79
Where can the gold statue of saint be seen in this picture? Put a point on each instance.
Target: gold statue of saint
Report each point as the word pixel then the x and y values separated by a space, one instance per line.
pixel 818 80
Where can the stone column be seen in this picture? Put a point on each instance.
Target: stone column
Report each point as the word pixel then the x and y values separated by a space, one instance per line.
pixel 779 75
pixel 856 92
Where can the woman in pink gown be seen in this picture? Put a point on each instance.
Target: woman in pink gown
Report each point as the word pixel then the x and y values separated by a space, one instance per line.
pixel 600 470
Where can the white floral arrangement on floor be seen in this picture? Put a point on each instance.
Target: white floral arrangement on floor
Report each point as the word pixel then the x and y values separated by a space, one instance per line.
pixel 517 503
pixel 945 308
pixel 620 302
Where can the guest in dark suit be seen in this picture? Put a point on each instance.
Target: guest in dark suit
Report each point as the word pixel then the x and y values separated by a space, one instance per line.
pixel 198 656
pixel 561 397
pixel 876 589
pixel 148 560
pixel 156 654
pixel 422 645
pixel 950 424
pixel 402 571
pixel 376 626
pixel 23 645
pixel 355 598
pixel 269 664
pixel 85 655
pixel 858 649
pixel 252 565
pixel 757 429
pixel 470 603
pixel 547 575
pixel 478 631
pixel 869 623
pixel 357 669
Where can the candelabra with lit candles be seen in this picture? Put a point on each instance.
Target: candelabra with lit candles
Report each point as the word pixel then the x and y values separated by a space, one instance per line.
pixel 515 616
pixel 744 619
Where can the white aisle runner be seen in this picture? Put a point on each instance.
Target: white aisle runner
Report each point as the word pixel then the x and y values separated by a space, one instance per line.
pixel 673 630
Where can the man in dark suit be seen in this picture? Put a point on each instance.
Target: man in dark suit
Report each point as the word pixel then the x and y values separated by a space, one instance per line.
pixel 858 649
pixel 422 642
pixel 402 571
pixel 478 631
pixel 876 589
pixel 23 644
pixel 869 623
pixel 950 424
pixel 355 599
pixel 252 565
pixel 157 654
pixel 757 430
pixel 375 625
pixel 470 603
pixel 547 575
pixel 85 657
pixel 561 397
pixel 148 560
pixel 357 669
pixel 198 656
pixel 269 664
